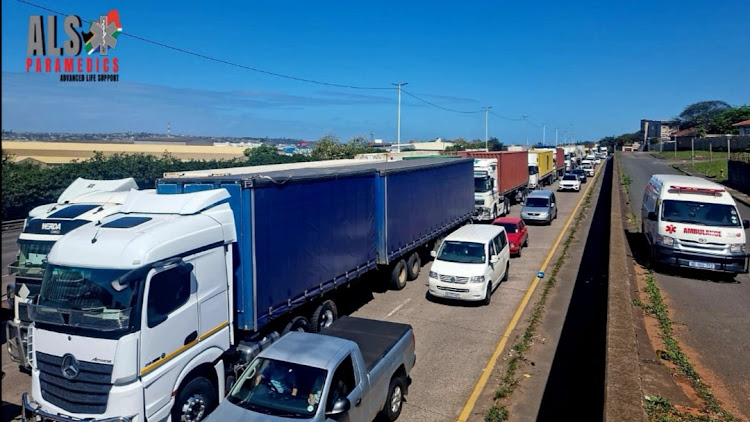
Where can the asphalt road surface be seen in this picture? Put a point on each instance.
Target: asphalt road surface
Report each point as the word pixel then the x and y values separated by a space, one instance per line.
pixel 455 340
pixel 715 314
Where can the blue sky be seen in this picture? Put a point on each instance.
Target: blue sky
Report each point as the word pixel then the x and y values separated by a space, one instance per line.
pixel 592 68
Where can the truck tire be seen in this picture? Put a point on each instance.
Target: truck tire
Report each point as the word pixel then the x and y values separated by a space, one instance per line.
pixel 413 266
pixel 325 314
pixel 194 401
pixel 395 399
pixel 399 275
pixel 298 323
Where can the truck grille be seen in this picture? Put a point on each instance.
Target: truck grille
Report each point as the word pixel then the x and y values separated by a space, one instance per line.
pixel 452 289
pixel 452 279
pixel 87 393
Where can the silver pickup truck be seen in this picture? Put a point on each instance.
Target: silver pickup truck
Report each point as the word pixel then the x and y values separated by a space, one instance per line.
pixel 352 371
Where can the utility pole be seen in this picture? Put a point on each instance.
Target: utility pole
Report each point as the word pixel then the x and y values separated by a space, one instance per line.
pixel 398 124
pixel 486 142
pixel 544 134
pixel 524 130
pixel 556 137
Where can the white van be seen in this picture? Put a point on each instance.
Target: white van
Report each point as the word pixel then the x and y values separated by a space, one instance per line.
pixel 692 222
pixel 470 263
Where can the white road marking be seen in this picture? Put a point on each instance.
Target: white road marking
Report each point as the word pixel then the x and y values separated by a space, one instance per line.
pixel 398 308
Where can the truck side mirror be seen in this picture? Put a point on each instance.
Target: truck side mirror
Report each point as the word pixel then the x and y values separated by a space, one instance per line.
pixel 746 224
pixel 341 406
pixel 652 216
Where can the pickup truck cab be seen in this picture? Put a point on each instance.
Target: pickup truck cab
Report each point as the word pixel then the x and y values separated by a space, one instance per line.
pixel 357 369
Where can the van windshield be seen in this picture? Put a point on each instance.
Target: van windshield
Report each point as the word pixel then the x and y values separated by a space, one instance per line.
pixel 463 252
pixel 536 202
pixel 701 213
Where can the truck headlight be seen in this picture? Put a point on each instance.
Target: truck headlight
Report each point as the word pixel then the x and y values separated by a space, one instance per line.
pixel 477 279
pixel 433 274
pixel 665 240
pixel 737 248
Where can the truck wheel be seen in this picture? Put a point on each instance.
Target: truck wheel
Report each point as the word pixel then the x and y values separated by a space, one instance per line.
pixel 298 323
pixel 395 399
pixel 323 316
pixel 399 275
pixel 413 266
pixel 194 401
pixel 507 206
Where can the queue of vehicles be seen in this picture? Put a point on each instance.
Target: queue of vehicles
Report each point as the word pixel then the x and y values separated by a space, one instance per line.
pixel 158 310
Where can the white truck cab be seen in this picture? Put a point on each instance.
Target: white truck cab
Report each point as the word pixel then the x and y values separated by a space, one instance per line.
pixel 81 203
pixel 487 200
pixel 692 222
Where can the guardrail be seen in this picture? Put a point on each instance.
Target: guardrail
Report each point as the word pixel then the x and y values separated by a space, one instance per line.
pixel 12 225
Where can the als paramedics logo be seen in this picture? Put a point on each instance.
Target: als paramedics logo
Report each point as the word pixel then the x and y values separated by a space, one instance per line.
pixel 45 56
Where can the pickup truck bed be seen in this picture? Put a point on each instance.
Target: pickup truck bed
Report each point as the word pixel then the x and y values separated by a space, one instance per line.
pixel 374 338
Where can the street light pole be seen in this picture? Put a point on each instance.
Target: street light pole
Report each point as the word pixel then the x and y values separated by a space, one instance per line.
pixel 486 142
pixel 544 134
pixel 556 136
pixel 398 124
pixel 525 132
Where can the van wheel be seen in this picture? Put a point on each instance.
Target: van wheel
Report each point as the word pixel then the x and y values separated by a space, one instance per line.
pixel 395 399
pixel 325 314
pixel 298 323
pixel 194 401
pixel 488 295
pixel 507 270
pixel 413 266
pixel 399 275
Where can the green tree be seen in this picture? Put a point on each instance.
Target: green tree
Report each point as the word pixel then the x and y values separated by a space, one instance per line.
pixel 328 148
pixel 699 114
pixel 723 121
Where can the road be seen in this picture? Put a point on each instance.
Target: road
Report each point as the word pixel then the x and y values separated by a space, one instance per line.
pixel 454 340
pixel 714 314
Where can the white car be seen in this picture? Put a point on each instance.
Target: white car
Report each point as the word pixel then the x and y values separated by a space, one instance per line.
pixel 588 167
pixel 470 263
pixel 570 182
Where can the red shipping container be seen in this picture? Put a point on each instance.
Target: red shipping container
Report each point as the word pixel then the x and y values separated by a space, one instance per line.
pixel 512 167
pixel 560 158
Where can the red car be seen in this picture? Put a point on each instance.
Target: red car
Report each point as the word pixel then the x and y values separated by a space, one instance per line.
pixel 518 234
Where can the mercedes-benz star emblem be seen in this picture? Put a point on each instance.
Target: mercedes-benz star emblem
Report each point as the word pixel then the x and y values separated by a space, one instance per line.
pixel 69 366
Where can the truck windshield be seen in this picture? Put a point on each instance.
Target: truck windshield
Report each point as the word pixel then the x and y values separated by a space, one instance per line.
pixel 279 388
pixel 31 257
pixel 482 184
pixel 463 252
pixel 86 297
pixel 533 169
pixel 701 213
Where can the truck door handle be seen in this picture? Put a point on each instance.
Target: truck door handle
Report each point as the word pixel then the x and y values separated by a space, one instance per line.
pixel 191 337
pixel 358 402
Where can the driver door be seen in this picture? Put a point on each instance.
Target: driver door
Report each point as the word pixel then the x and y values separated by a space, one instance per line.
pixel 169 328
pixel 344 383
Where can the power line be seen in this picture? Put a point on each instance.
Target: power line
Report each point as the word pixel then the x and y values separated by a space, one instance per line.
pixel 440 107
pixel 218 60
pixel 505 118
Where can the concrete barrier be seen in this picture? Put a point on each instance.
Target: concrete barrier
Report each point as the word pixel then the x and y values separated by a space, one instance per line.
pixel 623 393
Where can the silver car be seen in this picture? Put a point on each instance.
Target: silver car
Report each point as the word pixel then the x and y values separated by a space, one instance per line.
pixel 540 206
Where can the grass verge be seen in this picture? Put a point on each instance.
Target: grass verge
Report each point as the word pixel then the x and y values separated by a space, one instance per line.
pixel 658 408
pixel 509 381
pixel 686 155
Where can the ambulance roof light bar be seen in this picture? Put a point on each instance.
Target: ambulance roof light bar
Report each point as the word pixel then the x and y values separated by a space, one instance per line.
pixel 694 189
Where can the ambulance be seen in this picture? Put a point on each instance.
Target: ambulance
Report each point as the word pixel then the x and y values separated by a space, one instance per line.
pixel 692 222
